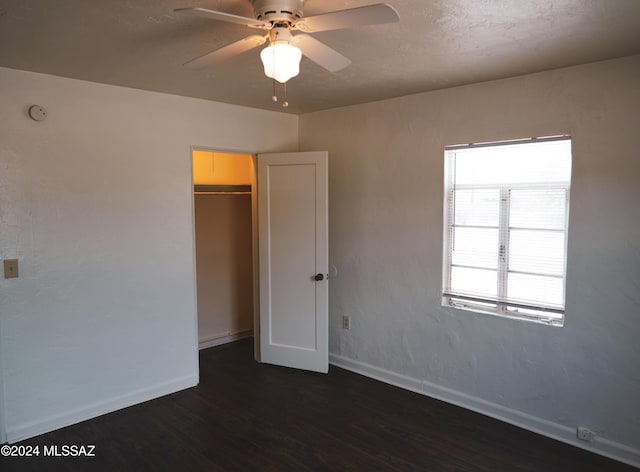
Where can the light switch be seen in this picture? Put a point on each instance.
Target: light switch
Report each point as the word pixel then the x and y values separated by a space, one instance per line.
pixel 10 268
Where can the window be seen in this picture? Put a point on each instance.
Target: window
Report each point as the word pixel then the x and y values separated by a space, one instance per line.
pixel 506 220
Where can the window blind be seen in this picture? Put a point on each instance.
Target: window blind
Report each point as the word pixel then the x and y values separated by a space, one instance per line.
pixel 506 220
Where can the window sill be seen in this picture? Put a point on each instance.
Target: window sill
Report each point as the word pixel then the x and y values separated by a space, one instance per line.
pixel 514 313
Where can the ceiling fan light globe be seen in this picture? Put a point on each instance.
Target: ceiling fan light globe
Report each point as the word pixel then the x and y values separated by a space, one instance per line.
pixel 281 61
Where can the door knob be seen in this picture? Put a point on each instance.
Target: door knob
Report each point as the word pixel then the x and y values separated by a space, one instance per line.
pixel 319 277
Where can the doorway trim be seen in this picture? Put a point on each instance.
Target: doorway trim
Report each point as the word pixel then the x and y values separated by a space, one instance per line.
pixel 3 431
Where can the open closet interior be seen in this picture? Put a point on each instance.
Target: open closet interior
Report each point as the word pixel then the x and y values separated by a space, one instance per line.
pixel 223 221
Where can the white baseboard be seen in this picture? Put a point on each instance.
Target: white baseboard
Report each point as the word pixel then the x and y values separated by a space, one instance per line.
pixel 67 418
pixel 598 445
pixel 223 338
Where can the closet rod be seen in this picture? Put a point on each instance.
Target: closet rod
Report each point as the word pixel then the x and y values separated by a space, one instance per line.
pixel 222 189
pixel 222 193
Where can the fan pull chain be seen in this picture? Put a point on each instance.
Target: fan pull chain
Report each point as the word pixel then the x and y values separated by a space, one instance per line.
pixel 274 97
pixel 285 104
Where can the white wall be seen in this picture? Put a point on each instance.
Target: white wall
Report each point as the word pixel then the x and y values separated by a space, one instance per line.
pixel 96 202
pixel 386 201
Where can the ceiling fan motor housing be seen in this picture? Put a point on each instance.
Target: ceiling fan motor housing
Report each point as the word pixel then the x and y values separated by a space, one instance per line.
pixel 278 11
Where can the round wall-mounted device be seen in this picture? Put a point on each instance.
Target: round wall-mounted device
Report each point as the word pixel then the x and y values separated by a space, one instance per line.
pixel 37 113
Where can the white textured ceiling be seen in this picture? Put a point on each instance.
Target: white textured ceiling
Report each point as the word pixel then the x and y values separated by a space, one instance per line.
pixel 437 44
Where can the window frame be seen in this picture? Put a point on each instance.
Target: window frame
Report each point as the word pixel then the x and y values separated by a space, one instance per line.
pixel 501 305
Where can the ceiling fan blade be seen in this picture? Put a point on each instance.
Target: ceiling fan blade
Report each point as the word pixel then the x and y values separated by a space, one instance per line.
pixel 227 52
pixel 320 53
pixel 368 15
pixel 222 16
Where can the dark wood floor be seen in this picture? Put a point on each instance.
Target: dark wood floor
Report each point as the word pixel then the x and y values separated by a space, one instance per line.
pixel 250 417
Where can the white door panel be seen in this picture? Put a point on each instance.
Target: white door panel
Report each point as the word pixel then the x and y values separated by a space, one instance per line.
pixel 293 235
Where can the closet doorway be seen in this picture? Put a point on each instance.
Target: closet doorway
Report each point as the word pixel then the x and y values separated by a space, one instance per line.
pixel 224 245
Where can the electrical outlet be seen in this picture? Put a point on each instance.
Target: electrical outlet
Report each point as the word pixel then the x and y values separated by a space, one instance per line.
pixel 10 268
pixel 346 322
pixel 584 434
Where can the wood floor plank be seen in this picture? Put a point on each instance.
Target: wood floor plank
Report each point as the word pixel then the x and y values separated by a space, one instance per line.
pixel 246 416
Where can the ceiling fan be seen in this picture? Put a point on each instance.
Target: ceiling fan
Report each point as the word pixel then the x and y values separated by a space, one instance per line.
pixel 279 18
